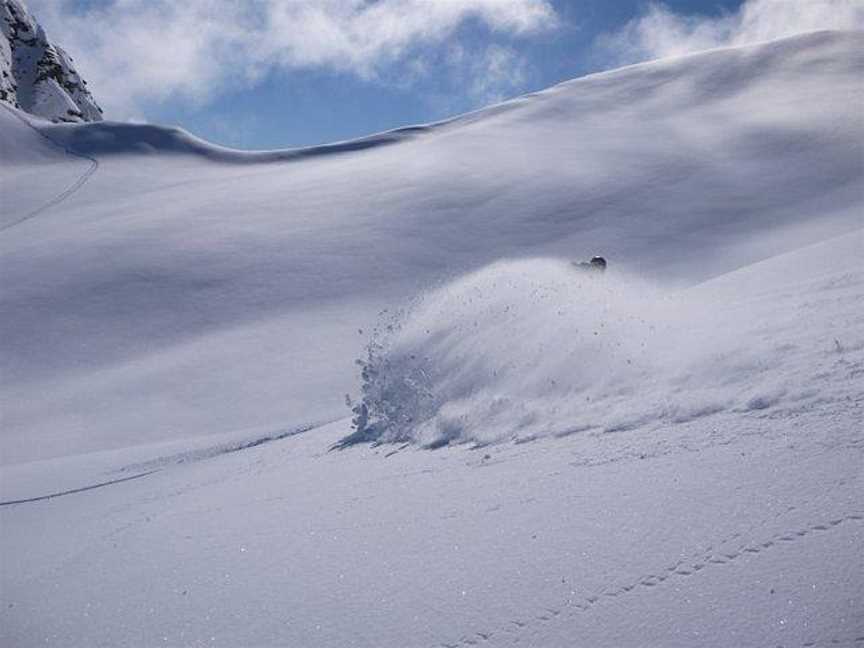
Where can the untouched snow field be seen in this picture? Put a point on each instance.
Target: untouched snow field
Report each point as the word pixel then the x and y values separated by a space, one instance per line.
pixel 669 454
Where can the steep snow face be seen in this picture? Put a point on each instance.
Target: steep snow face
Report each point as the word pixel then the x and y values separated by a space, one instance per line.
pixel 37 76
pixel 208 290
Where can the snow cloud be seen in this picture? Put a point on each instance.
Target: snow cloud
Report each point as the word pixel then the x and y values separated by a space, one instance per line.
pixel 660 32
pixel 136 52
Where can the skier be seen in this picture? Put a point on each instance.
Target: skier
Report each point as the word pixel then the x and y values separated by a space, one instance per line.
pixel 596 264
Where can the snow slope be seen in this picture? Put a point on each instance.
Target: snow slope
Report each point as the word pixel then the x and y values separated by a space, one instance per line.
pixel 181 321
pixel 737 527
pixel 185 283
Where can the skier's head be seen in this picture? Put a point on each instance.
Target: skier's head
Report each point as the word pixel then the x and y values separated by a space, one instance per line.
pixel 598 263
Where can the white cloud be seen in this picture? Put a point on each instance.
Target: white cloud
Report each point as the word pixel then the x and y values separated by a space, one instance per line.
pixel 660 32
pixel 136 52
pixel 496 74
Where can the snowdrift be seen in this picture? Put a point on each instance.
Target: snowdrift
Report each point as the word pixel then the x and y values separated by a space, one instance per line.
pixel 537 347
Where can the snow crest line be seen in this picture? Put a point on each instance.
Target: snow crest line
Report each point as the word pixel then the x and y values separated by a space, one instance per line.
pixel 77 490
pixel 220 449
pixel 706 559
pixel 63 195
pixel 156 465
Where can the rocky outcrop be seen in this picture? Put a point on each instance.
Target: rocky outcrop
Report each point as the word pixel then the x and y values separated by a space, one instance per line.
pixel 36 75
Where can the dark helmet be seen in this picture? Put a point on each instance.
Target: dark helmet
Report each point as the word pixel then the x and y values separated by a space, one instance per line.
pixel 598 262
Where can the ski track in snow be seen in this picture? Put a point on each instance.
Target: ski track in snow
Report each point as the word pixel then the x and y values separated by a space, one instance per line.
pixel 156 465
pixel 76 490
pixel 63 195
pixel 707 558
pixel 209 452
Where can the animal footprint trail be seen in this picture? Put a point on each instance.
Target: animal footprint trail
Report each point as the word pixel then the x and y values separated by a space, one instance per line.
pixel 700 561
pixel 856 641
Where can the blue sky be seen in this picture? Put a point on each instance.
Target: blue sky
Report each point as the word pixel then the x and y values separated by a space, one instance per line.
pixel 281 73
pixel 303 107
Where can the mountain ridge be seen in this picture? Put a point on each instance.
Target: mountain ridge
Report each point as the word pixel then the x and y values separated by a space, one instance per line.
pixel 37 76
pixel 116 138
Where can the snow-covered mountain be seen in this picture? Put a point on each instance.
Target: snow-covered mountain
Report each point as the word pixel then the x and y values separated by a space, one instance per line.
pixel 666 455
pixel 38 76
pixel 175 273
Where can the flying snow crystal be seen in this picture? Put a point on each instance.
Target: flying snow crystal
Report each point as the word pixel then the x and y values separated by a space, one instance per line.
pixel 533 348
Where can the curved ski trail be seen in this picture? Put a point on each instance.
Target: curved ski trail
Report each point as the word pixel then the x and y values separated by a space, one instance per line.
pixel 63 195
